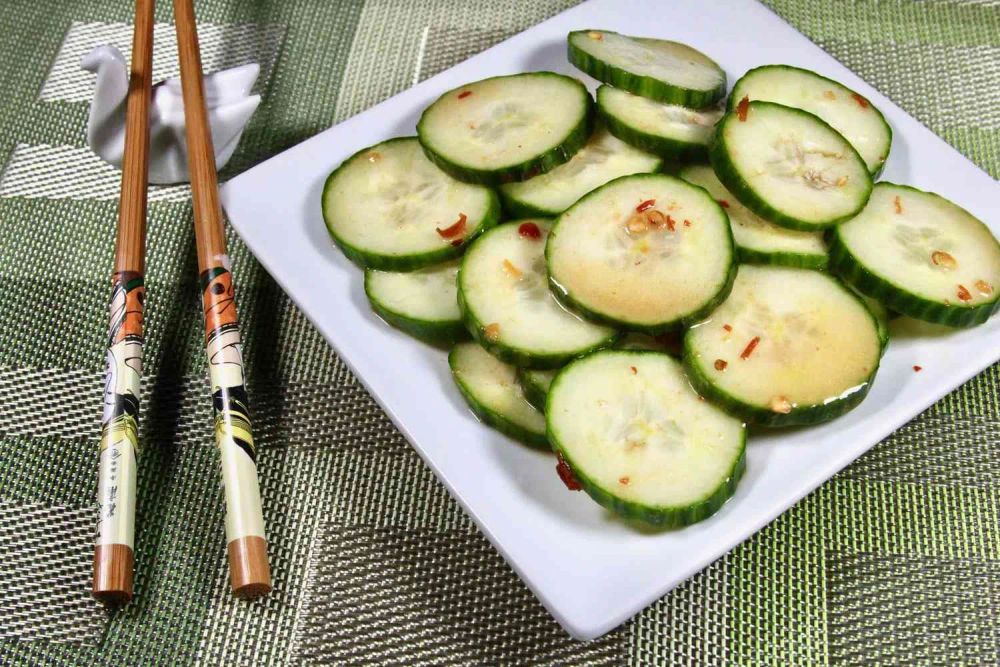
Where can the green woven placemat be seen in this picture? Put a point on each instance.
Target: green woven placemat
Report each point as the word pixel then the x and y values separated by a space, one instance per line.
pixel 894 560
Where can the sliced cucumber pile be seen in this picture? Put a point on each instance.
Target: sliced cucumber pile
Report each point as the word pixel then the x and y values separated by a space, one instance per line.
pixel 388 207
pixel 507 306
pixel 602 159
pixel 507 128
pixel 789 346
pixel 536 385
pixel 757 240
pixel 920 255
pixel 789 167
pixel 846 111
pixel 639 439
pixel 658 69
pixel 577 309
pixel 423 303
pixel 616 255
pixel 669 130
pixel 491 389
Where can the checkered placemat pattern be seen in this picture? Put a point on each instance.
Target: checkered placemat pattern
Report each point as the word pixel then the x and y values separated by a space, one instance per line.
pixel 896 560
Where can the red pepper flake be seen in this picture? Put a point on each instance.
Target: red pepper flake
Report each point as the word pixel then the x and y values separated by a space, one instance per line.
pixel 723 203
pixel 687 223
pixel 645 206
pixel 751 346
pixel 465 93
pixel 671 223
pixel 492 332
pixel 743 108
pixel 898 203
pixel 917 369
pixel 566 474
pixel 455 229
pixel 727 327
pixel 635 371
pixel 964 294
pixel 624 481
pixel 457 242
pixel 529 230
pixel 862 102
pixel 720 364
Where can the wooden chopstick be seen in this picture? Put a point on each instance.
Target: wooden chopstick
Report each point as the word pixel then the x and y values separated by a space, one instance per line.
pixel 113 553
pixel 250 572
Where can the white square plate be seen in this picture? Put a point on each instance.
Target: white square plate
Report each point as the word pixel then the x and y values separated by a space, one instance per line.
pixel 591 571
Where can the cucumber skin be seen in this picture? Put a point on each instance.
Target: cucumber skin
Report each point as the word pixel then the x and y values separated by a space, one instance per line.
pixel 572 304
pixel 513 355
pixel 665 147
pixel 736 96
pixel 659 517
pixel 522 171
pixel 792 259
pixel 644 86
pixel 728 175
pixel 497 421
pixel 799 416
pixel 435 332
pixel 373 260
pixel 843 263
pixel 535 394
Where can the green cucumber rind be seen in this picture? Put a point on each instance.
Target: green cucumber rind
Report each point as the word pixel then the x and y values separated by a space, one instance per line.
pixel 783 258
pixel 644 86
pixel 800 415
pixel 436 332
pixel 850 270
pixel 535 394
pixel 366 259
pixel 494 419
pixel 567 300
pixel 516 209
pixel 735 97
pixel 729 176
pixel 658 516
pixel 522 171
pixel 657 144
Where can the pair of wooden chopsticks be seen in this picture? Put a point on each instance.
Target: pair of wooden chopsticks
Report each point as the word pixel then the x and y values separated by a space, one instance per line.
pixel 113 555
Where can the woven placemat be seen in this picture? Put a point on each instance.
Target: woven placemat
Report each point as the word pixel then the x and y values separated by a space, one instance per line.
pixel 894 560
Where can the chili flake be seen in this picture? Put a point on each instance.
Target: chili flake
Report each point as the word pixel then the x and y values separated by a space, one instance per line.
pixel 898 203
pixel 917 369
pixel 727 327
pixel 984 287
pixel 751 346
pixel 457 242
pixel 720 364
pixel 743 108
pixel 964 294
pixel 828 94
pixel 529 230
pixel 943 259
pixel 723 203
pixel 656 218
pixel 465 93
pixel 862 102
pixel 566 475
pixel 687 223
pixel 455 229
pixel 624 481
pixel 671 223
pixel 492 332
pixel 646 205
pixel 593 34
pixel 374 156
pixel 637 224
pixel 635 371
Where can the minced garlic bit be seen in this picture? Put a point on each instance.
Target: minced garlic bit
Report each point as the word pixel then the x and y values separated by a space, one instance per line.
pixel 943 259
pixel 842 181
pixel 511 269
pixel 492 332
pixel 964 294
pixel 781 405
pixel 593 34
pixel 374 156
pixel 828 94
pixel 984 287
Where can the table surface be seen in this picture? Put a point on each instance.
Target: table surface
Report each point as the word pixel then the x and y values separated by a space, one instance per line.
pixel 896 559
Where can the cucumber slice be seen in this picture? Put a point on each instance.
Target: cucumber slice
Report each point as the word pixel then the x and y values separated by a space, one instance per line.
pixel 507 128
pixel 757 240
pixel 505 301
pixel 670 130
pixel 789 167
pixel 789 346
pixel 882 317
pixel 640 441
pixel 846 111
pixel 658 69
pixel 604 158
pixel 618 254
pixel 536 385
pixel 491 389
pixel 388 207
pixel 920 255
pixel 423 303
